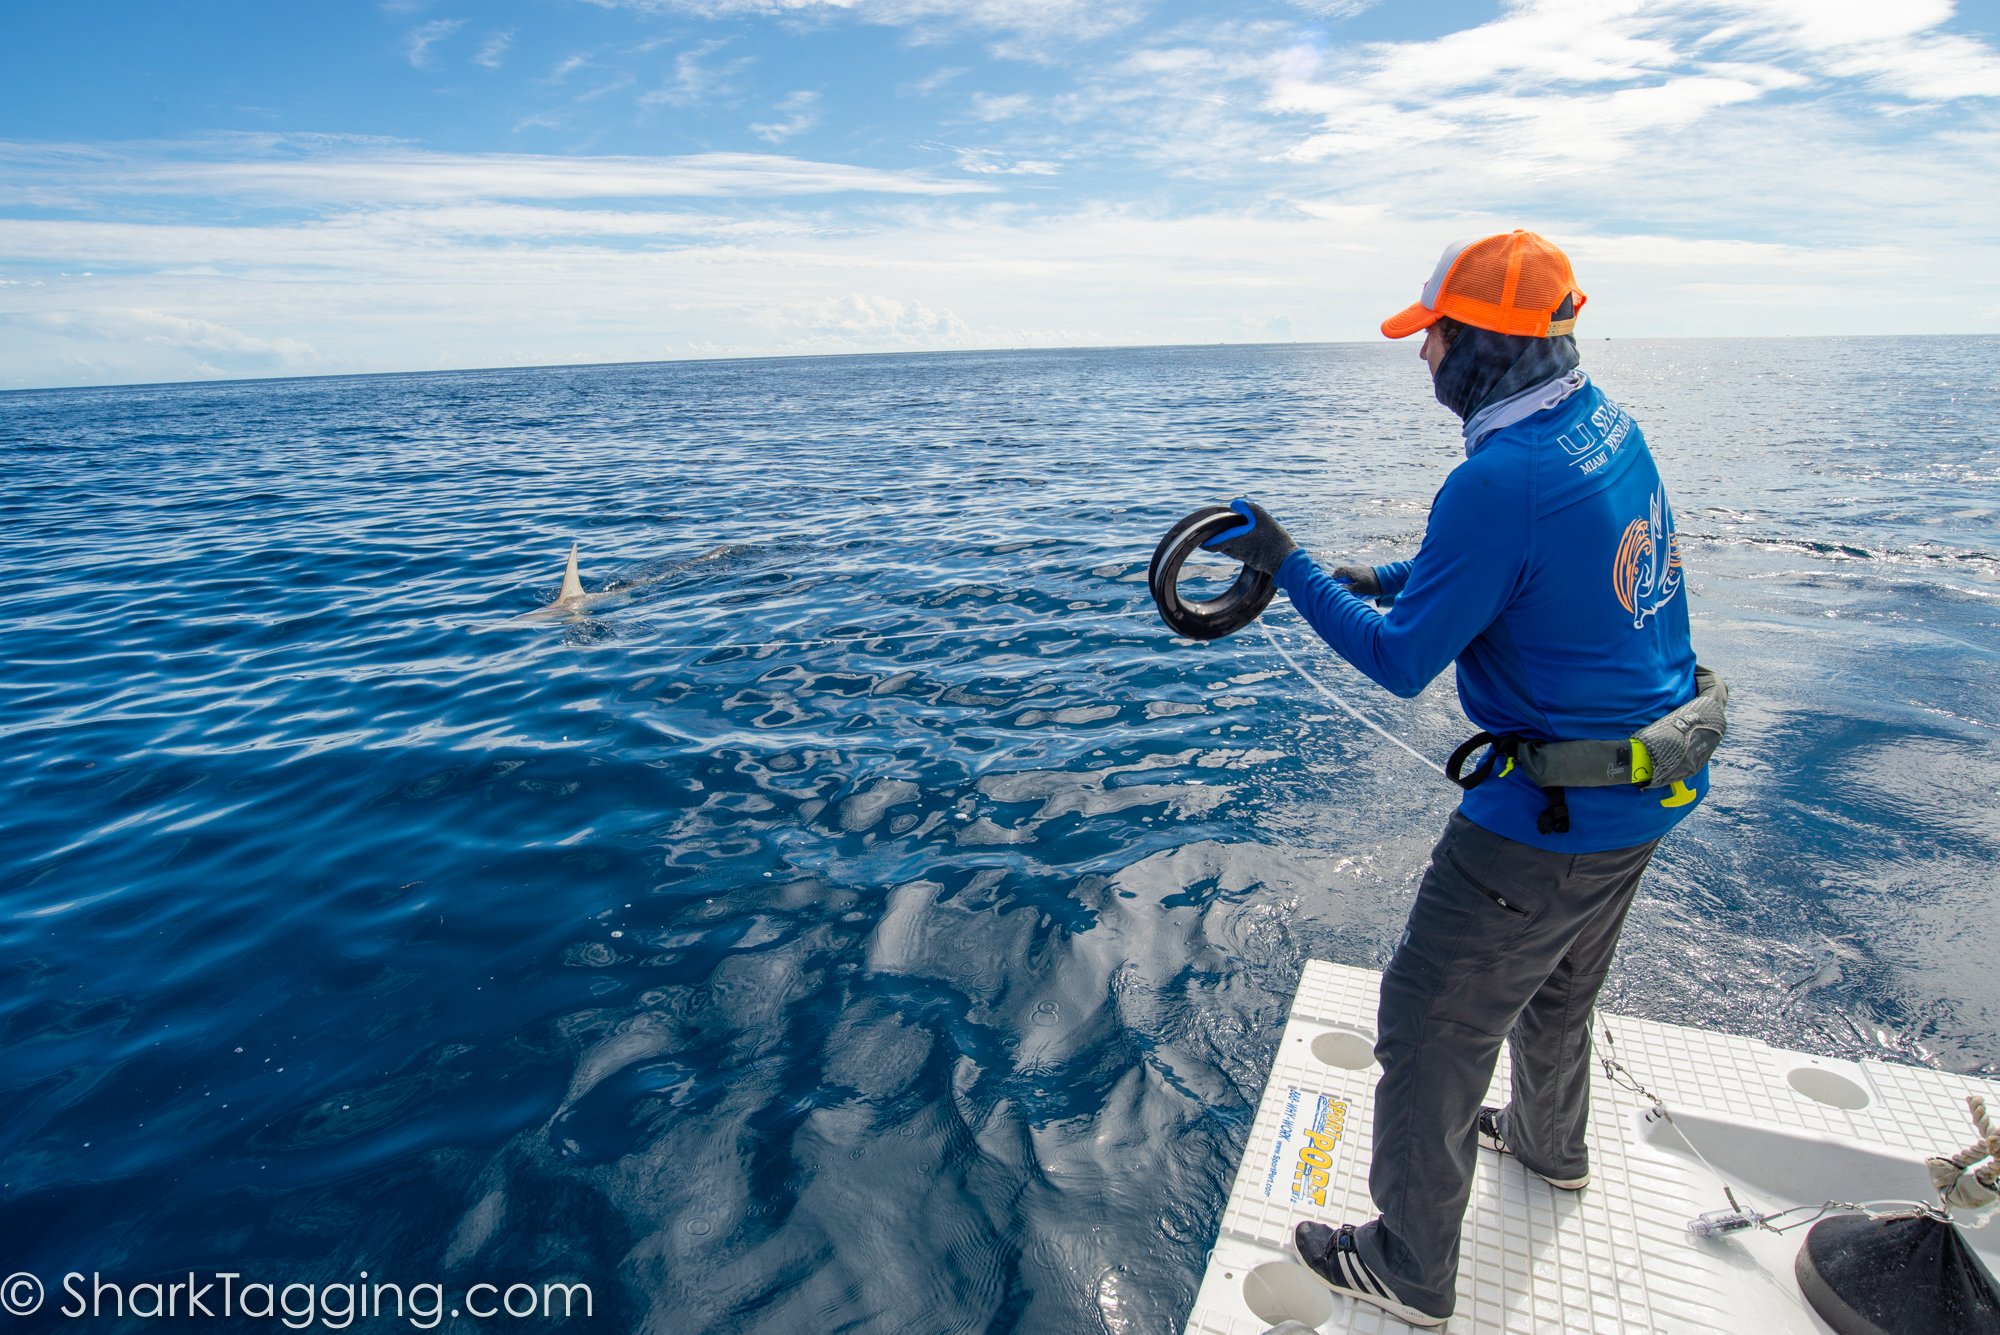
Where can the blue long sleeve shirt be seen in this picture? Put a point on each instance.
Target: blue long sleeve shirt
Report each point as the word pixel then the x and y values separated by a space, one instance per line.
pixel 1549 573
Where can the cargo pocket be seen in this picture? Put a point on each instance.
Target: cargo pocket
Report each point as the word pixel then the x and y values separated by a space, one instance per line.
pixel 1502 896
pixel 1498 898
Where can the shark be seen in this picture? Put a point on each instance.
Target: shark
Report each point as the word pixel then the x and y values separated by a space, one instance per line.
pixel 572 602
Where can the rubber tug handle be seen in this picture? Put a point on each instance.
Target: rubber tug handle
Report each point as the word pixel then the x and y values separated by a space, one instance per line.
pixel 1208 619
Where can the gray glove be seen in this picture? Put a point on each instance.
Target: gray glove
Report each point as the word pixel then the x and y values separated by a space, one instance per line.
pixel 1682 742
pixel 1360 580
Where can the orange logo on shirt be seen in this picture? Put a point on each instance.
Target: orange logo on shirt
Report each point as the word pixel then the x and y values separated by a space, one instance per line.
pixel 1646 572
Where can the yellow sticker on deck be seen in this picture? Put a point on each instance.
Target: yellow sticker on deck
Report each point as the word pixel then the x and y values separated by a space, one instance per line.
pixel 1309 1134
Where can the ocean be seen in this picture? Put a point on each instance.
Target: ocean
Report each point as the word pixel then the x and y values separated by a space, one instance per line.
pixel 865 916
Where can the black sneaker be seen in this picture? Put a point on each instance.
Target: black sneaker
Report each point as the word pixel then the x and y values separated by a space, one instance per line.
pixel 1488 1123
pixel 1331 1256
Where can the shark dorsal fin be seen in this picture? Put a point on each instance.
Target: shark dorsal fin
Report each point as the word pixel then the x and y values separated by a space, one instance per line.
pixel 572 587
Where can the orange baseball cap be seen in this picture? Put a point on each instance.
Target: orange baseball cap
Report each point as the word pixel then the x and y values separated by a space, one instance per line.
pixel 1512 283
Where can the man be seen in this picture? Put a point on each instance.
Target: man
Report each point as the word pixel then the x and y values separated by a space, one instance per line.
pixel 1550 574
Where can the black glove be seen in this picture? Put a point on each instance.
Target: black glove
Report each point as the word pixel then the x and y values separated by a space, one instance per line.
pixel 1260 542
pixel 1360 580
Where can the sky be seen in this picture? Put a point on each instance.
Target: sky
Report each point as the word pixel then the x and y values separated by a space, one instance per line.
pixel 231 188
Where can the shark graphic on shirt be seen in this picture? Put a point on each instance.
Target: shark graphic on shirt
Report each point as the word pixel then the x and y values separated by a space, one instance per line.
pixel 1646 573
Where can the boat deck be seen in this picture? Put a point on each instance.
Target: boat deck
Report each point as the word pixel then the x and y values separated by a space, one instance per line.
pixel 1784 1128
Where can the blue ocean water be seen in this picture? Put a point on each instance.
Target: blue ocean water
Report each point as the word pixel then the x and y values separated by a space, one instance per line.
pixel 865 916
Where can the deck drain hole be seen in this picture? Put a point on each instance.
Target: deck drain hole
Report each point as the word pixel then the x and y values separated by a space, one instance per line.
pixel 1345 1048
pixel 1282 1291
pixel 1828 1087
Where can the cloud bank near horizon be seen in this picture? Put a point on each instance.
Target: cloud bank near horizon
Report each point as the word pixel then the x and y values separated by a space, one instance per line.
pixel 1052 173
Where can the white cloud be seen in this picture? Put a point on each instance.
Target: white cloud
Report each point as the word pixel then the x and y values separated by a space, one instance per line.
pixel 493 53
pixel 1822 25
pixel 418 41
pixel 1035 22
pixel 1555 86
pixel 164 329
pixel 1185 104
pixel 615 84
pixel 800 112
pixel 1001 106
pixel 376 291
pixel 693 81
pixel 301 172
pixel 865 319
pixel 935 80
pixel 1894 48
pixel 385 287
pixel 1522 138
pixel 1937 67
pixel 1336 9
pixel 987 162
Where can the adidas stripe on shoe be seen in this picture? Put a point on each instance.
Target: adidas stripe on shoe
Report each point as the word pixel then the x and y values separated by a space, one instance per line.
pixel 1488 1125
pixel 1330 1254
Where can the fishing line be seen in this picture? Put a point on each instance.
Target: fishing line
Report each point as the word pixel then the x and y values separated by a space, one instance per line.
pixel 1340 700
pixel 1048 623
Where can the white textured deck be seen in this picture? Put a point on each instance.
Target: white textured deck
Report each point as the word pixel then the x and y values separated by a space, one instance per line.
pixel 1616 1256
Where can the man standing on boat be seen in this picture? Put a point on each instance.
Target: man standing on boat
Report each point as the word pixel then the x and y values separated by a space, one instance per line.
pixel 1549 573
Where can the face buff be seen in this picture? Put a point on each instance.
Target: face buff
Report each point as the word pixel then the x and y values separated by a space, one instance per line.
pixel 1483 367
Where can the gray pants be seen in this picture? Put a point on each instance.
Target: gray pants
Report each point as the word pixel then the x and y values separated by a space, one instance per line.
pixel 1505 942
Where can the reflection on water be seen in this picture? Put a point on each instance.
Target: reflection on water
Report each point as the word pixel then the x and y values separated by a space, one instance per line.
pixel 865 916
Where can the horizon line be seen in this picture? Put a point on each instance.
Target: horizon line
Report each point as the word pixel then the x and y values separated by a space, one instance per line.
pixel 913 352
